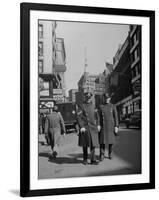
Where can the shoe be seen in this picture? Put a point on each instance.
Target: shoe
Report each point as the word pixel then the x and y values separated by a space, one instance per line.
pixel 101 158
pixel 85 162
pixel 94 162
pixel 54 154
pixel 110 156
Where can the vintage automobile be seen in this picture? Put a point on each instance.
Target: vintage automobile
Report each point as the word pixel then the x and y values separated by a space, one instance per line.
pixel 134 120
pixel 67 110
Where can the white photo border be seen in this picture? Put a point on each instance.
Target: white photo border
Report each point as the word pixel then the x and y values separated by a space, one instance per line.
pixel 36 183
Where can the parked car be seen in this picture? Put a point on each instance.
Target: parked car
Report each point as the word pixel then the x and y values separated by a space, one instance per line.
pixel 134 120
pixel 67 110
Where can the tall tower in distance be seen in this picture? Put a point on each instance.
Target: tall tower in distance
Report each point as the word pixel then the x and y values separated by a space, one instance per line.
pixel 85 60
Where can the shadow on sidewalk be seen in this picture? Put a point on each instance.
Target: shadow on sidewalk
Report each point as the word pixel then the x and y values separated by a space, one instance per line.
pixel 44 154
pixel 71 159
pixel 64 160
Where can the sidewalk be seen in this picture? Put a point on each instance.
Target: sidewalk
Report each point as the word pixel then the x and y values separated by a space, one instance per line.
pixel 69 160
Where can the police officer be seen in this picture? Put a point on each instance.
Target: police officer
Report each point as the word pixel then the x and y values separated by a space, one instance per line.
pixel 54 128
pixel 109 126
pixel 88 122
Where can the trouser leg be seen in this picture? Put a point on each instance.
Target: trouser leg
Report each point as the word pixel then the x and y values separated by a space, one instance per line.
pixel 92 153
pixel 102 151
pixel 52 142
pixel 110 150
pixel 85 153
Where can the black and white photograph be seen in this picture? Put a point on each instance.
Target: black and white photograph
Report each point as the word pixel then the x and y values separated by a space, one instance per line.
pixel 89 100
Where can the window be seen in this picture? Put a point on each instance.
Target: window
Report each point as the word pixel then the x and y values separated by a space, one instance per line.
pixel 40 31
pixel 134 39
pixel 136 106
pixel 139 69
pixel 135 71
pixel 135 54
pixel 59 58
pixel 40 48
pixel 46 85
pixel 40 66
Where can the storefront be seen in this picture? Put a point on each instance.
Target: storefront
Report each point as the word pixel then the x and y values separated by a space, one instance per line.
pixel 128 106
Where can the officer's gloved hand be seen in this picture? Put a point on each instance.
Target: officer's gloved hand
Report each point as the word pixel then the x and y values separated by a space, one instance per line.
pixel 82 130
pixel 64 135
pixel 99 128
pixel 116 129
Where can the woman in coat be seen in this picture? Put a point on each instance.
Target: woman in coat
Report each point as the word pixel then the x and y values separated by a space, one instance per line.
pixel 54 128
pixel 109 126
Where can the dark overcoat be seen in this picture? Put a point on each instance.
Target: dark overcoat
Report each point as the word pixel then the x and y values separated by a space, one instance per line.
pixel 108 122
pixel 88 118
pixel 54 127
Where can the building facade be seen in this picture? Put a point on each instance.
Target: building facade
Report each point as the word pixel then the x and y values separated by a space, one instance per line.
pixel 107 73
pixel 60 69
pixel 124 82
pixel 46 58
pixel 51 63
pixel 91 83
pixel 85 84
pixel 135 53
pixel 72 95
pixel 120 80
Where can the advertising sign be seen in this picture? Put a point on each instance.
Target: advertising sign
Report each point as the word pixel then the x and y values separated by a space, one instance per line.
pixel 44 93
pixel 58 98
pixel 57 91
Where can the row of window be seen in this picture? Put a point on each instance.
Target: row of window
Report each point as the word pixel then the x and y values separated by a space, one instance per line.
pixel 132 107
pixel 100 89
pixel 136 70
pixel 40 66
pixel 40 31
pixel 135 54
pixel 40 48
pixel 57 54
pixel 134 38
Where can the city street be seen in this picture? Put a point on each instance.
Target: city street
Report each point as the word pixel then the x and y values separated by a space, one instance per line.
pixel 126 158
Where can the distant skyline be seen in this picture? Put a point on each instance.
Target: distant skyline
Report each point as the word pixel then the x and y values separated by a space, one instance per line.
pixel 101 41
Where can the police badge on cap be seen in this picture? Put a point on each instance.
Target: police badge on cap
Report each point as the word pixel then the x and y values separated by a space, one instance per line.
pixel 88 95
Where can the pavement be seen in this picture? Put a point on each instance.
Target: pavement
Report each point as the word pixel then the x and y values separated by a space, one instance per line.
pixel 126 157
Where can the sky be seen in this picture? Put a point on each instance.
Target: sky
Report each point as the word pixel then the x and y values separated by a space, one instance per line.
pixel 100 40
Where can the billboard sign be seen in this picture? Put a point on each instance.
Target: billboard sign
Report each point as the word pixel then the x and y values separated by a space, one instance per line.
pixel 44 93
pixel 59 98
pixel 57 91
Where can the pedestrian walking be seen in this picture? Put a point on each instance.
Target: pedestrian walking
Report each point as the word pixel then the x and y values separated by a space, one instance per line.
pixel 88 121
pixel 40 123
pixel 43 122
pixel 54 128
pixel 109 126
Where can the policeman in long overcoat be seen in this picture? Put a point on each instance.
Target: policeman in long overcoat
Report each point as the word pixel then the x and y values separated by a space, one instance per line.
pixel 109 126
pixel 54 128
pixel 88 121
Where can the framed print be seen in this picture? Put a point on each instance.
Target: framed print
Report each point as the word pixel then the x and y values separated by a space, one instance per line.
pixel 87 99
